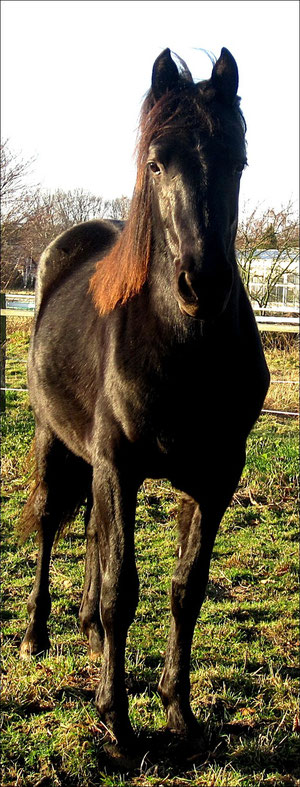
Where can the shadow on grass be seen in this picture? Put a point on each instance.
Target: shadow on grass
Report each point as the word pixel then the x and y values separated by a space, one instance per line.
pixel 253 614
pixel 163 755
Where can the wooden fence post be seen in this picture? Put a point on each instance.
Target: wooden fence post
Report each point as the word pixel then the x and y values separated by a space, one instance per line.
pixel 3 353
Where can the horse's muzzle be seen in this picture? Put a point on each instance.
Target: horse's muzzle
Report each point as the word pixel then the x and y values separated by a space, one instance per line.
pixel 204 296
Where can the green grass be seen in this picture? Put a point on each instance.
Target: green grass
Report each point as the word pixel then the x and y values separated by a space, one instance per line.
pixel 245 653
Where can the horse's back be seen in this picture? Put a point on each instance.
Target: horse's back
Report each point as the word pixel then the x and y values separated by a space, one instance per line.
pixel 72 248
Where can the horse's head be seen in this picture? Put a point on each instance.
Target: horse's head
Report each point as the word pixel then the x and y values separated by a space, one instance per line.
pixel 193 153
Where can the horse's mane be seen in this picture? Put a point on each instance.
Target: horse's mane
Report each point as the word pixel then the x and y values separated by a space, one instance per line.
pixel 122 273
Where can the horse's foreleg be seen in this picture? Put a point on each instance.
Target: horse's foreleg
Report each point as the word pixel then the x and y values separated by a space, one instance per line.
pixel 188 589
pixel 114 509
pixel 198 525
pixel 89 613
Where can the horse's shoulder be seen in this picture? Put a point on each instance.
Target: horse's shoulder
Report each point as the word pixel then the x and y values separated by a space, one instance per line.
pixel 72 248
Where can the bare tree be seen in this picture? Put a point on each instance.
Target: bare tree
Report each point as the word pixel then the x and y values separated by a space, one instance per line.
pixel 36 218
pixel 118 208
pixel 259 232
pixel 40 227
pixel 73 207
pixel 14 171
pixel 56 212
pixel 16 206
pixel 31 217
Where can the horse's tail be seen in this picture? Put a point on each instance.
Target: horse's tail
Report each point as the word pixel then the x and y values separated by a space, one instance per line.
pixel 28 522
pixel 73 484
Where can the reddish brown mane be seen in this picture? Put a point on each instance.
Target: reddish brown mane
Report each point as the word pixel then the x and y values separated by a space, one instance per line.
pixel 121 274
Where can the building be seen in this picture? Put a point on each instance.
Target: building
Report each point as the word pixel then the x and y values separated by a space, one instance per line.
pixel 273 277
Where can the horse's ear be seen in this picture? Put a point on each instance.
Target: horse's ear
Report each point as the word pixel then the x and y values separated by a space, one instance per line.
pixel 225 77
pixel 164 74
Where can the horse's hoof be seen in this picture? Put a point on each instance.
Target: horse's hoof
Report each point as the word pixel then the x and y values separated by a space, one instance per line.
pixel 187 733
pixel 28 650
pixel 94 655
pixel 123 757
pixel 183 724
pixel 95 646
pixel 32 646
pixel 187 747
pixel 194 748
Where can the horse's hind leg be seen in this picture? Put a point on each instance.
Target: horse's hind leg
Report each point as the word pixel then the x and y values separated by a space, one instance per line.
pixel 62 486
pixel 89 613
pixel 114 500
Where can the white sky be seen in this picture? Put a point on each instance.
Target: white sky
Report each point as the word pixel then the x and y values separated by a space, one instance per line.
pixel 74 73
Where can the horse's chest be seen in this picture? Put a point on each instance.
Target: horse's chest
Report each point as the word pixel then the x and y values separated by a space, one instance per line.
pixel 190 402
pixel 173 413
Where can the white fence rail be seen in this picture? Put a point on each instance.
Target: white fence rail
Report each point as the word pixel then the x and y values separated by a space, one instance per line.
pixel 276 308
pixel 274 318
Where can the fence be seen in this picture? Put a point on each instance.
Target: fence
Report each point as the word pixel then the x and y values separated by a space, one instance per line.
pixel 282 318
pixel 23 305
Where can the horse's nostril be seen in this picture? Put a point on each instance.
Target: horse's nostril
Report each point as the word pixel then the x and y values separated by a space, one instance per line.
pixel 185 287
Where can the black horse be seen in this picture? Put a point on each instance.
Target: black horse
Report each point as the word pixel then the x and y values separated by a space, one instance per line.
pixel 146 361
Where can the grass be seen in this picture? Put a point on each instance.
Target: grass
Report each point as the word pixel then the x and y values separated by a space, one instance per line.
pixel 245 653
pixel 283 362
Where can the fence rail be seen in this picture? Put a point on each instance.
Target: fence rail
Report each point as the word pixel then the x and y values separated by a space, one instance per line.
pixel 23 306
pixel 279 308
pixel 13 306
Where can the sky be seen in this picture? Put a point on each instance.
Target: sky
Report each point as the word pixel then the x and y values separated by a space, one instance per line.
pixel 74 73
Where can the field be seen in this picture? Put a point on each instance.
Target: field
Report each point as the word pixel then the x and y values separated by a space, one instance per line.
pixel 245 653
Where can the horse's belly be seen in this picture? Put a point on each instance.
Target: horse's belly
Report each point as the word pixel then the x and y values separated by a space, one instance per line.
pixel 57 408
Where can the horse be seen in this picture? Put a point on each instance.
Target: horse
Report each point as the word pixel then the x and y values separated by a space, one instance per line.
pixel 145 362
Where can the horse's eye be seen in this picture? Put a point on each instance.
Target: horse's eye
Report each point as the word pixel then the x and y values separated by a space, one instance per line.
pixel 154 168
